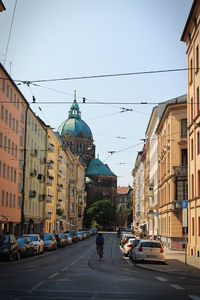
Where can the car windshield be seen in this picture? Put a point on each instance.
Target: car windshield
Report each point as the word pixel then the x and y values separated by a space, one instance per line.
pixel 131 241
pixel 4 239
pixel 60 235
pixel 21 240
pixel 33 237
pixel 150 245
pixel 47 237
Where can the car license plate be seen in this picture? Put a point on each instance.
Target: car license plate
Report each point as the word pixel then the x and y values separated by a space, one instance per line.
pixel 150 255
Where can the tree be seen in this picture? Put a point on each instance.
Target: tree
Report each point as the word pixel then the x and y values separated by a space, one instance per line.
pixel 103 213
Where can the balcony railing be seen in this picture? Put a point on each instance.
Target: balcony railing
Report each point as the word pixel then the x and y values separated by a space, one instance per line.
pixel 177 205
pixel 180 170
pixel 41 197
pixel 32 194
pixel 51 147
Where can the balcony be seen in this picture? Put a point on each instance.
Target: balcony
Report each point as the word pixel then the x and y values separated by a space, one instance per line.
pixel 40 177
pixel 177 205
pixel 150 190
pixel 60 159
pixel 50 180
pixel 180 170
pixel 50 164
pixel 48 216
pixel 41 197
pixel 34 152
pixel 32 194
pixel 51 147
pixel 33 173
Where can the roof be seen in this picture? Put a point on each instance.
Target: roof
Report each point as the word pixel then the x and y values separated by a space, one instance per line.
pixel 2 7
pixel 74 124
pixel 97 167
pixel 189 19
pixel 123 190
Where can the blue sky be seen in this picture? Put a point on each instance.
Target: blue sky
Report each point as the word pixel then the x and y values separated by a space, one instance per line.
pixel 70 38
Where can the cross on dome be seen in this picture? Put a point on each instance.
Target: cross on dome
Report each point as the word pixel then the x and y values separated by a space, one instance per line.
pixel 74 111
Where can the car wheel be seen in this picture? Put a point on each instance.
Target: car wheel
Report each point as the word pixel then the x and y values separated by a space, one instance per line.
pixel 11 258
pixel 18 255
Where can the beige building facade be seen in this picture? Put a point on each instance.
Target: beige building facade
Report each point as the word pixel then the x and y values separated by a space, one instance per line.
pixel 191 36
pixel 172 179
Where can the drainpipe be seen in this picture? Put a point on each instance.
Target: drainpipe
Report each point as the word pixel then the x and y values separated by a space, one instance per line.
pixel 24 174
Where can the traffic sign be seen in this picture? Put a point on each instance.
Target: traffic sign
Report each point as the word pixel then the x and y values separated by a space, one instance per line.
pixel 184 204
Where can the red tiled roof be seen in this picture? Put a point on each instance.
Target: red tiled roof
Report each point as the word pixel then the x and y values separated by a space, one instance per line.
pixel 123 190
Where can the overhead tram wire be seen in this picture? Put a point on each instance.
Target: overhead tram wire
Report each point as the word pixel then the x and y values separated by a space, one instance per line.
pixel 107 75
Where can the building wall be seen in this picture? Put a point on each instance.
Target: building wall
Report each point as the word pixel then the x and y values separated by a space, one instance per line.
pixel 12 128
pixel 171 141
pixel 35 171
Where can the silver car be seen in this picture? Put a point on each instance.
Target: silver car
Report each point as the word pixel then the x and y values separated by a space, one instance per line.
pixel 148 250
pixel 37 242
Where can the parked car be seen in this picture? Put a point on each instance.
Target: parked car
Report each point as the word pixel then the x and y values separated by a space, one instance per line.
pixel 25 246
pixel 125 237
pixel 69 238
pixel 37 242
pixel 50 242
pixel 148 250
pixel 73 234
pixel 9 247
pixel 61 240
pixel 80 235
pixel 135 243
pixel 127 246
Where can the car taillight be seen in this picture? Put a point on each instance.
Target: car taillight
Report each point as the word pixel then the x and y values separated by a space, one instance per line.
pixel 129 245
pixel 161 250
pixel 140 249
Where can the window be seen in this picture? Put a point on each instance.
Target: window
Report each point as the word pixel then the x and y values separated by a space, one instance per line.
pixel 191 107
pixel 22 137
pixel 21 163
pixel 198 179
pixel 14 99
pixel 197 58
pixel 17 103
pixel 22 114
pixel 192 149
pixel 1 139
pixel 14 201
pixel 8 145
pixel 2 198
pixel 184 127
pixel 5 143
pixel 15 151
pixel 191 70
pixel 2 112
pixel 13 123
pixel 19 202
pixel 0 168
pixel 10 200
pixel 16 127
pixel 11 174
pixel 4 170
pixel 193 226
pixel 198 103
pixel 7 90
pixel 198 226
pixel 198 142
pixel 6 198
pixel 11 95
pixel 3 85
pixel 15 176
pixel 184 157
pixel 192 187
pixel 12 149
pixel 6 116
pixel 8 172
pixel 10 120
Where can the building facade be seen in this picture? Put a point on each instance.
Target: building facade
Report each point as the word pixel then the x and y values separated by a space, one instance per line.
pixel 12 137
pixel 172 179
pixel 191 36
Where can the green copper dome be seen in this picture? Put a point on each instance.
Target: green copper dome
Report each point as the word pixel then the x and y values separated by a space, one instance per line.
pixel 96 167
pixel 74 124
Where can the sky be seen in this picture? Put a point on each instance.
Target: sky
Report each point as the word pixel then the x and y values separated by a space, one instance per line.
pixel 77 38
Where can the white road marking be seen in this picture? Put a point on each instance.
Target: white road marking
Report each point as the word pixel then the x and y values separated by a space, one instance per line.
pixel 74 262
pixel 35 287
pixel 194 297
pixel 53 275
pixel 65 268
pixel 161 279
pixel 177 287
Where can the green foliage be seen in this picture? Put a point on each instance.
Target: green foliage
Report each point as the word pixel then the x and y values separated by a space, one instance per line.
pixel 102 213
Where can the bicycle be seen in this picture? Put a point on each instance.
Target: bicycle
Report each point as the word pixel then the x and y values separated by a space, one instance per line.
pixel 100 251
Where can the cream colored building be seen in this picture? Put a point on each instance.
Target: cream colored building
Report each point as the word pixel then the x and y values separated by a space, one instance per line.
pixel 172 163
pixel 191 36
pixel 35 169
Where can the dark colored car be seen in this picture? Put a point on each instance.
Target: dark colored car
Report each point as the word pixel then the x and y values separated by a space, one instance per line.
pixel 61 240
pixel 25 246
pixel 73 234
pixel 50 242
pixel 9 247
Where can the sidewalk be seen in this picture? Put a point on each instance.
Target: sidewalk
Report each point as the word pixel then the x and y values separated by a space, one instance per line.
pixel 175 264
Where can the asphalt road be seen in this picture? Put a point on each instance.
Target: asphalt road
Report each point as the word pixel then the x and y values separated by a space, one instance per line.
pixel 75 272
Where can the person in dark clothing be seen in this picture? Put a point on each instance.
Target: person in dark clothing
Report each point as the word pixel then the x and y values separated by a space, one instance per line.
pixel 100 244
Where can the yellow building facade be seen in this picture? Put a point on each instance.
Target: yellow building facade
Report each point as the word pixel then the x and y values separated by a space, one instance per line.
pixel 172 176
pixel 35 170
pixel 191 36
